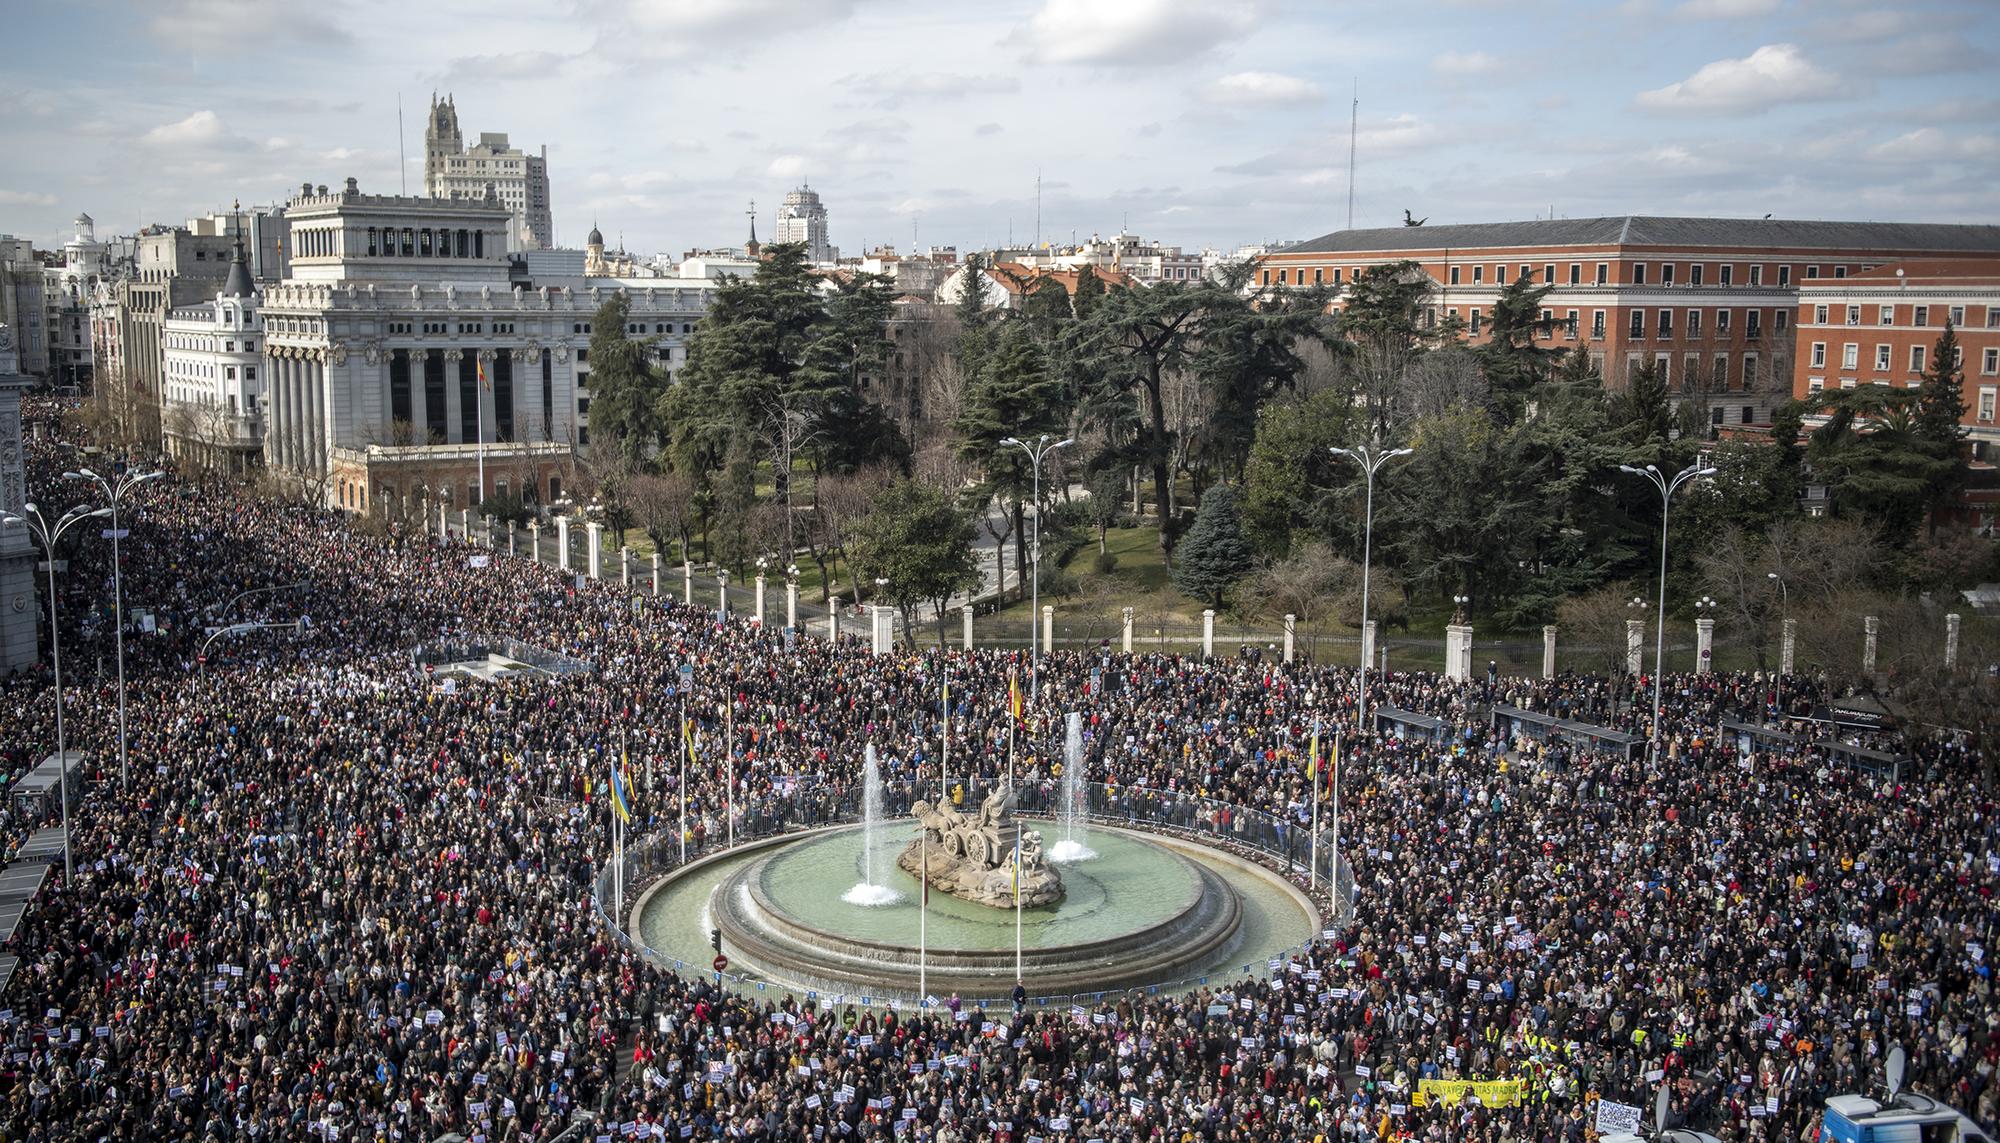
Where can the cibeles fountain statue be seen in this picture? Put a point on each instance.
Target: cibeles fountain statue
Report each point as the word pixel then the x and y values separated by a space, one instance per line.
pixel 972 857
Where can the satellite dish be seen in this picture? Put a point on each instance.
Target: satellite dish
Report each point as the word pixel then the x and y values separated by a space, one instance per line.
pixel 1894 1069
pixel 1660 1111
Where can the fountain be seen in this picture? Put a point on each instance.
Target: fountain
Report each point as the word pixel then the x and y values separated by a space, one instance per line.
pixel 1071 809
pixel 871 892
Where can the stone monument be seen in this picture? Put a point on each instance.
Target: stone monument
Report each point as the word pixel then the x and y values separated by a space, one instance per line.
pixel 972 857
pixel 19 606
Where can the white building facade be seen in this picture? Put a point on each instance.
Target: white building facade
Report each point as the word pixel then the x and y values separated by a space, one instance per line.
pixel 211 388
pixel 519 180
pixel 802 218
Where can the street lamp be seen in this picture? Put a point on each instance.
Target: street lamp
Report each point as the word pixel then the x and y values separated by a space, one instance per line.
pixel 1036 451
pixel 1458 605
pixel 1784 622
pixel 1371 458
pixel 115 491
pixel 1667 486
pixel 38 526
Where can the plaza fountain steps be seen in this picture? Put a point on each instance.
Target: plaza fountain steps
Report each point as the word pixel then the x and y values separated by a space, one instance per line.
pixel 763 935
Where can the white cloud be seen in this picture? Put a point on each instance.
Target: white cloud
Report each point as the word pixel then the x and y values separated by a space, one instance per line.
pixel 198 129
pixel 1465 63
pixel 1726 9
pixel 1774 73
pixel 787 166
pixel 892 88
pixel 25 198
pixel 1262 87
pixel 1928 144
pixel 1135 32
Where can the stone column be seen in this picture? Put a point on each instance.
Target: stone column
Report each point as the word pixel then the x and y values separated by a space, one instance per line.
pixel 562 542
pixel 1048 628
pixel 1786 645
pixel 1458 652
pixel 488 530
pixel 1704 644
pixel 1368 631
pixel 1635 644
pixel 1125 639
pixel 1549 652
pixel 687 582
pixel 465 525
pixel 593 540
pixel 444 533
pixel 1871 627
pixel 625 565
pixel 534 541
pixel 1951 641
pixel 791 604
pixel 656 575
pixel 1208 633
pixel 512 548
pixel 316 413
pixel 1291 634
pixel 967 612
pixel 722 591
pixel 833 622
pixel 454 433
pixel 760 599
pixel 884 625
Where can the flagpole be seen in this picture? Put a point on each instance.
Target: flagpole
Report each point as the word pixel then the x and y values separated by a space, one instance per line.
pixel 729 769
pixel 1312 775
pixel 1334 891
pixel 479 426
pixel 687 747
pixel 923 912
pixel 944 753
pixel 1017 902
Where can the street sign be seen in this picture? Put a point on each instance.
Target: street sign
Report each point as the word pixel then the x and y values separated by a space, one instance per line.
pixel 116 533
pixel 721 962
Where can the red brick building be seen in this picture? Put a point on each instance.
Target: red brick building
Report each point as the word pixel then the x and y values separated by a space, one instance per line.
pixel 1713 301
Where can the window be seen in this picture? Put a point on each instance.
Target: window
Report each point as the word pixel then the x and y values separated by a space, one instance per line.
pixel 249 372
pixel 1720 371
pixel 1638 323
pixel 1722 323
pixel 1819 355
pixel 1923 316
pixel 1840 271
pixel 1597 325
pixel 1666 323
pixel 1850 355
pixel 1478 274
pixel 1784 276
pixel 1986 399
pixel 371 242
pixel 1815 384
pixel 1499 275
pixel 1781 320
pixel 1854 315
pixel 1666 273
pixel 1955 315
pixel 1694 323
pixel 1475 316
pixel 1726 274
pixel 1576 273
pixel 1603 273
pixel 409 242
pixel 1319 275
pixel 1749 371
pixel 424 243
pixel 1570 325
pixel 1819 315
pixel 1549 274
pixel 1548 324
pixel 1267 277
pixel 1881 358
pixel 1638 273
pixel 1526 271
pixel 1694 274
pixel 1916 359
pixel 1282 276
pixel 1454 275
pixel 1989 362
pixel 1812 271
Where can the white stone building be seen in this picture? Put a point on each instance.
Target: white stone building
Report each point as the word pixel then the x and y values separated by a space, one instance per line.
pixel 802 218
pixel 519 180
pixel 376 345
pixel 211 390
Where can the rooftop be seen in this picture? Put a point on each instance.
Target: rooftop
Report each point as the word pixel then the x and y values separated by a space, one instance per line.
pixel 1646 230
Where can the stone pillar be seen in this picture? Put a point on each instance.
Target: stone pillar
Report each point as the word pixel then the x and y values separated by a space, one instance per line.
pixel 656 575
pixel 1368 631
pixel 534 541
pixel 1951 641
pixel 1549 652
pixel 1291 634
pixel 1871 627
pixel 1786 645
pixel 884 625
pixel 791 604
pixel 1704 645
pixel 489 532
pixel 593 546
pixel 465 525
pixel 1635 644
pixel 760 599
pixel 687 582
pixel 454 431
pixel 562 542
pixel 833 622
pixel 625 565
pixel 1208 633
pixel 1125 640
pixel 512 548
pixel 967 612
pixel 722 591
pixel 1048 628
pixel 1458 652
pixel 444 533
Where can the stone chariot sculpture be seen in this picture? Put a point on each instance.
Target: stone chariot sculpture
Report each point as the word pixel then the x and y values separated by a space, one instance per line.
pixel 972 856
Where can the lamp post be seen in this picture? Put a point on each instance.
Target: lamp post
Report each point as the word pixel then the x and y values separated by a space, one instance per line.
pixel 115 492
pixel 38 526
pixel 1784 621
pixel 1667 486
pixel 1371 458
pixel 1036 451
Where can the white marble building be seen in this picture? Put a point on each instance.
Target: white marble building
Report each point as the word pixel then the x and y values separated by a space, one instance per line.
pixel 376 345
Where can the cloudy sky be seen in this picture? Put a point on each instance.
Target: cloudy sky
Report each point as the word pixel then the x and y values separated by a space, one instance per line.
pixel 1201 122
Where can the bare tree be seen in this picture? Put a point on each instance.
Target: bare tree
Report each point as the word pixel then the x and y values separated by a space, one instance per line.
pixel 663 505
pixel 1596 621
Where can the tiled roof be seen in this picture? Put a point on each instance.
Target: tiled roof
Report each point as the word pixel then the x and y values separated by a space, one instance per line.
pixel 1925 272
pixel 1641 230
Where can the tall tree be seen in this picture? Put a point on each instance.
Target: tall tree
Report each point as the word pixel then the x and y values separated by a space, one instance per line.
pixel 1013 395
pixel 1215 555
pixel 625 388
pixel 1383 320
pixel 1248 354
pixel 1140 335
pixel 920 541
pixel 1875 461
pixel 1940 418
pixel 1513 363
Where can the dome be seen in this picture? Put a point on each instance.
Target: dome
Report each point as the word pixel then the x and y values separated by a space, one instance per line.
pixel 595 239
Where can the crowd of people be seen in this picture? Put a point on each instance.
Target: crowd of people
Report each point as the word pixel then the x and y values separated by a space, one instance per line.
pixel 339 900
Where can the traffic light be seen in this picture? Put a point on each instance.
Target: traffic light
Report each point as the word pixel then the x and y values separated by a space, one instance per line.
pixel 715 938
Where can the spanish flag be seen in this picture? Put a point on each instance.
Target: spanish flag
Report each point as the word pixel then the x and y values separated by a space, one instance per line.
pixel 480 364
pixel 1014 694
pixel 1312 758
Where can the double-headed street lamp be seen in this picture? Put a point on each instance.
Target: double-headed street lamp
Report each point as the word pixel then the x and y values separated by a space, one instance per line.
pixel 1036 451
pixel 39 527
pixel 115 490
pixel 1371 458
pixel 1667 486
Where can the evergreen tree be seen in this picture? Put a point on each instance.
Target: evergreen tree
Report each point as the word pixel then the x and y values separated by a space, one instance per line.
pixel 1939 421
pixel 1214 556
pixel 1511 360
pixel 1012 395
pixel 1089 291
pixel 625 388
pixel 921 542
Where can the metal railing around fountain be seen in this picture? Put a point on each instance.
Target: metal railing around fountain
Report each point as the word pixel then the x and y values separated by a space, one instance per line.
pixel 1284 846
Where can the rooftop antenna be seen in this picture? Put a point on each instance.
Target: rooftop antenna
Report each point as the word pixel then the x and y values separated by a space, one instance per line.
pixel 402 159
pixel 1038 207
pixel 1353 129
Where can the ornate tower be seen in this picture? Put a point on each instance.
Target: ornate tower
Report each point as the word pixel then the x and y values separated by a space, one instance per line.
pixel 442 142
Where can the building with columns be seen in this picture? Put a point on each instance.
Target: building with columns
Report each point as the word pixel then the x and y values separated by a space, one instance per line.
pixel 408 356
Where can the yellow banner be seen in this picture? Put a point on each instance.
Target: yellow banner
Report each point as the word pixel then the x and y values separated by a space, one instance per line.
pixel 1491 1093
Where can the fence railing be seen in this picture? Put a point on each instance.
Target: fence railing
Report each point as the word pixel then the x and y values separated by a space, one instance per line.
pixel 1288 848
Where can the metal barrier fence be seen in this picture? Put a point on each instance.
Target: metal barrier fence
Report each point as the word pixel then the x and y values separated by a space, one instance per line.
pixel 1287 848
pixel 438 652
